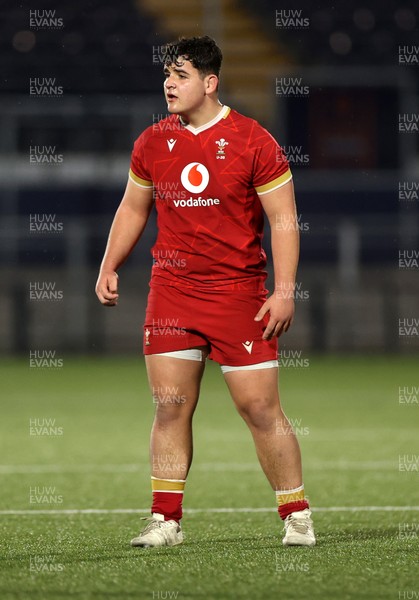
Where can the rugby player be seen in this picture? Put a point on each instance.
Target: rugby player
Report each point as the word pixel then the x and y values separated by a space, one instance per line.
pixel 212 174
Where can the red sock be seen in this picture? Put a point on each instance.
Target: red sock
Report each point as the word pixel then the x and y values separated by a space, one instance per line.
pixel 167 497
pixel 290 501
pixel 290 507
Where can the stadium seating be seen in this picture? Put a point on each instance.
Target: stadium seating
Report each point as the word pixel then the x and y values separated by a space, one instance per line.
pixel 352 33
pixel 101 47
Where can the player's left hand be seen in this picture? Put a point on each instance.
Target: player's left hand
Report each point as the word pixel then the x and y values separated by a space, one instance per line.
pixel 281 312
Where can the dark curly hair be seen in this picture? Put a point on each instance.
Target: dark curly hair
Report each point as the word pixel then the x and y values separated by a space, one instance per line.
pixel 202 52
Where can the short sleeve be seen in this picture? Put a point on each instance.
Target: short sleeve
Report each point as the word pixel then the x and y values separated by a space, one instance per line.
pixel 138 172
pixel 270 167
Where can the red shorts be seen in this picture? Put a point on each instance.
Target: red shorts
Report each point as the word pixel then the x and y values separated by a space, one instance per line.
pixel 179 319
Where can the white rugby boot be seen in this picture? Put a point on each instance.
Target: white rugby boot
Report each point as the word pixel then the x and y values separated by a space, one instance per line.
pixel 158 532
pixel 298 529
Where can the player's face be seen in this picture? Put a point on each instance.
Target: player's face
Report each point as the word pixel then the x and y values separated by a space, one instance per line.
pixel 184 88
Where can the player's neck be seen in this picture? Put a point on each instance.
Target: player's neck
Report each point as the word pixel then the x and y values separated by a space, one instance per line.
pixel 203 115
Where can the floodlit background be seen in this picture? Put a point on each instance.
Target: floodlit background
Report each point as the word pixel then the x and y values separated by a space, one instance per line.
pixel 336 85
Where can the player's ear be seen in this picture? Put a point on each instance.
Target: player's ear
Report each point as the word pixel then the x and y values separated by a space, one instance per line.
pixel 211 83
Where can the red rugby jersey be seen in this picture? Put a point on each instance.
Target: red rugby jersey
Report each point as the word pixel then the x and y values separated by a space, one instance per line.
pixel 206 185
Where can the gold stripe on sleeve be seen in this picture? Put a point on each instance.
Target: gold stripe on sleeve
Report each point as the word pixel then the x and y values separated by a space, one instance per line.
pixel 141 182
pixel 276 183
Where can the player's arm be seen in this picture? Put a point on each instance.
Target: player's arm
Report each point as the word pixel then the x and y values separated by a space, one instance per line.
pixel 127 227
pixel 279 206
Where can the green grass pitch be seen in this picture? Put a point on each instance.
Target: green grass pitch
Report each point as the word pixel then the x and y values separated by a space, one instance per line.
pixel 358 435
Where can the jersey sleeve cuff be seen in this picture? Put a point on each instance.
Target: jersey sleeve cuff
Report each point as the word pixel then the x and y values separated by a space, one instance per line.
pixel 142 183
pixel 275 184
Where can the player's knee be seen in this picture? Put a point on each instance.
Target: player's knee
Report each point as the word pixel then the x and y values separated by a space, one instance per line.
pixel 259 411
pixel 170 406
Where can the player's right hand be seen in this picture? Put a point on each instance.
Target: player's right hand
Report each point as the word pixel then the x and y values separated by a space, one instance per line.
pixel 107 288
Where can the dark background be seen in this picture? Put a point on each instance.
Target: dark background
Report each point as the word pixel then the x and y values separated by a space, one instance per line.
pixel 81 80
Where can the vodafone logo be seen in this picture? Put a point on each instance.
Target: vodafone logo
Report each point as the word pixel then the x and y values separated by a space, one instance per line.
pixel 195 177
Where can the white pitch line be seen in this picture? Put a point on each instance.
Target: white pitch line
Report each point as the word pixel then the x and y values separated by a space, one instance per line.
pixel 384 465
pixel 130 511
pixel 29 469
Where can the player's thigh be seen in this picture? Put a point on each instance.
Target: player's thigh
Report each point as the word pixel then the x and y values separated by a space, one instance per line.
pixel 175 382
pixel 254 392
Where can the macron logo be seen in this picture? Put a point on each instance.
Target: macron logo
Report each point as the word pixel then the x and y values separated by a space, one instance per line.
pixel 248 346
pixel 171 143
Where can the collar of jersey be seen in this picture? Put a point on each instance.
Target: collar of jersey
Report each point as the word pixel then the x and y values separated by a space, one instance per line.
pixel 221 115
